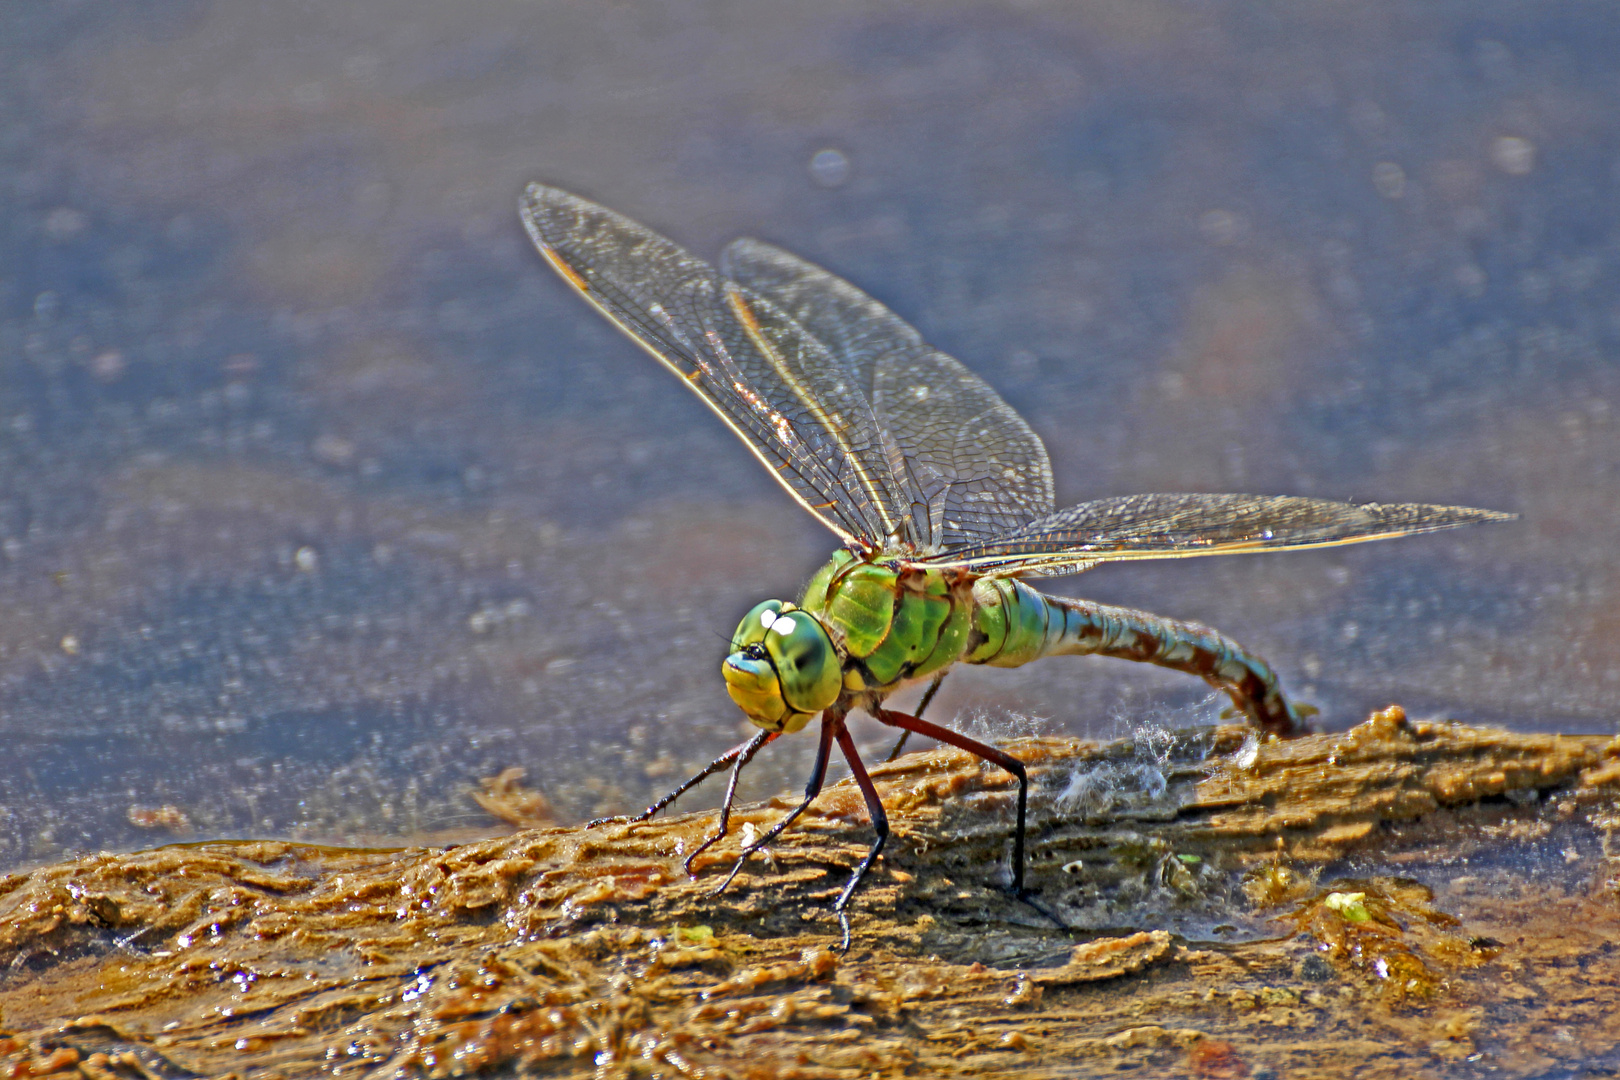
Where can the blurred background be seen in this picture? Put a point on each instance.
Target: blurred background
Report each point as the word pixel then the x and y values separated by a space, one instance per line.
pixel 321 499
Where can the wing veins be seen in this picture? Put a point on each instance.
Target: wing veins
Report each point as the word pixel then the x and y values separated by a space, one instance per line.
pixel 1142 527
pixel 838 429
pixel 559 222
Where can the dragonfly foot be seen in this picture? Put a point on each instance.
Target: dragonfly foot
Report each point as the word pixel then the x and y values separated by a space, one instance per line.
pixel 625 819
pixel 843 926
pixel 735 870
pixel 701 848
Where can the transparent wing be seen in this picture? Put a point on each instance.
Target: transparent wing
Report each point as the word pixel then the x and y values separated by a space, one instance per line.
pixel 978 470
pixel 795 405
pixel 1179 526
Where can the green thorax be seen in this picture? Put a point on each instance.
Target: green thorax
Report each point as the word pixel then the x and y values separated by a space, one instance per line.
pixel 893 621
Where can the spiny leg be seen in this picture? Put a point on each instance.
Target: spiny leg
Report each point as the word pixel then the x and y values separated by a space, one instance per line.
pixel 880 824
pixel 928 695
pixel 745 750
pixel 988 753
pixel 832 722
pixel 745 754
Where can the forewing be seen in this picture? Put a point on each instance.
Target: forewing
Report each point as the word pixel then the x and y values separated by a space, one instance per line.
pixel 978 470
pixel 1179 526
pixel 795 406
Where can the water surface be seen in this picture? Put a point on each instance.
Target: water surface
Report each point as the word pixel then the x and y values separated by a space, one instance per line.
pixel 320 499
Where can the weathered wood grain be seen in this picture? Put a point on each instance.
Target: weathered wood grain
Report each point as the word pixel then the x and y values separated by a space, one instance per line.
pixel 1393 899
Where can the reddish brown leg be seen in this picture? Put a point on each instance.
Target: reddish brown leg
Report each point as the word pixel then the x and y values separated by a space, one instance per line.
pixel 928 695
pixel 880 823
pixel 988 753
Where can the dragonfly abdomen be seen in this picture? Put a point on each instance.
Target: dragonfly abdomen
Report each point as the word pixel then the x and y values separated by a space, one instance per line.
pixel 1013 625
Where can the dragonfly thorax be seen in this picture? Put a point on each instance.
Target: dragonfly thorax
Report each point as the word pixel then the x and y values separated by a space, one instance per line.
pixel 893 621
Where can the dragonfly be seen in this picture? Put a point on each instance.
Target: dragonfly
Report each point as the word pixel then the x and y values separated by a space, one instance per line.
pixel 941 496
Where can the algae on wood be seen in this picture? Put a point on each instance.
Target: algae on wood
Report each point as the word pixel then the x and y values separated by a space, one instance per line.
pixel 1400 899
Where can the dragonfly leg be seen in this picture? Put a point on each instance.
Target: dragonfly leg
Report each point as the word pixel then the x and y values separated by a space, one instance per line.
pixel 745 753
pixel 988 753
pixel 832 722
pixel 880 824
pixel 744 750
pixel 928 695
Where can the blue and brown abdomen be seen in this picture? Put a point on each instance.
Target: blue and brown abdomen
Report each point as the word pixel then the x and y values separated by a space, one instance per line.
pixel 1014 624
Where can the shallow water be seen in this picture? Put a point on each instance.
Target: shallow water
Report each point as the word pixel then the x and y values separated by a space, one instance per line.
pixel 320 499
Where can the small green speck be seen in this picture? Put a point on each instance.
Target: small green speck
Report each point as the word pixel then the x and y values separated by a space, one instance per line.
pixel 1349 905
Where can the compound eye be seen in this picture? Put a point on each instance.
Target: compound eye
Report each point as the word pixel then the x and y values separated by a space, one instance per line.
pixel 805 660
pixel 755 626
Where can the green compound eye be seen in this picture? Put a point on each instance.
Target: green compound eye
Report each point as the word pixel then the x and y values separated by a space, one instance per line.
pixel 783 668
pixel 805 660
pixel 751 631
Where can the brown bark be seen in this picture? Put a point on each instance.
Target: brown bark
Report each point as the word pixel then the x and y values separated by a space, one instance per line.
pixel 1388 900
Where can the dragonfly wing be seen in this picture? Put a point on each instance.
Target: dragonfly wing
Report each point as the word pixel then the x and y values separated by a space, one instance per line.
pixel 795 406
pixel 855 328
pixel 979 470
pixel 1179 526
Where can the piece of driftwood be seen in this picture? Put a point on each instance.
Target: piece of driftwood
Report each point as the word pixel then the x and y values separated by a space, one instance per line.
pixel 1402 899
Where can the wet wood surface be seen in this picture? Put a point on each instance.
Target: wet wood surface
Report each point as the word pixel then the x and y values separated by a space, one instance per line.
pixel 1401 899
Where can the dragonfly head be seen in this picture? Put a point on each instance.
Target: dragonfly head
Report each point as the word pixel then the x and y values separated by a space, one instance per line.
pixel 783 667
